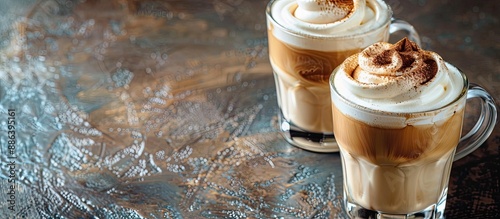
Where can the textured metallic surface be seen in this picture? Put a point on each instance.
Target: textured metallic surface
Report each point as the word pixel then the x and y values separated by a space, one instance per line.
pixel 167 109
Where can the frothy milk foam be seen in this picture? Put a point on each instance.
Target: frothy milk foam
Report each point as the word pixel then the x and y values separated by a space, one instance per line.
pixel 396 162
pixel 303 54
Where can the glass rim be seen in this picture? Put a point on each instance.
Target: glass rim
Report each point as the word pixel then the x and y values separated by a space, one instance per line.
pixel 462 94
pixel 388 18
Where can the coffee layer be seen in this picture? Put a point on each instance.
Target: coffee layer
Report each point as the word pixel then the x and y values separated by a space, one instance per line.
pixel 313 66
pixel 397 146
pixel 302 83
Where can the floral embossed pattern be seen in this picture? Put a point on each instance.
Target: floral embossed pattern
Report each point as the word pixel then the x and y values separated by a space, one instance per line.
pixel 166 109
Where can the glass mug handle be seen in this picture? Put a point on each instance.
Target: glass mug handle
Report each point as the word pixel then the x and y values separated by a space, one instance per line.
pixel 401 25
pixel 484 126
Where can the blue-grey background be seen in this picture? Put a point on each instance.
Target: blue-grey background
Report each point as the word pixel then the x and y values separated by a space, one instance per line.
pixel 167 109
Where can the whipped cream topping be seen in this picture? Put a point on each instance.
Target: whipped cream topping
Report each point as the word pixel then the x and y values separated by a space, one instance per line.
pixel 323 11
pixel 327 18
pixel 398 78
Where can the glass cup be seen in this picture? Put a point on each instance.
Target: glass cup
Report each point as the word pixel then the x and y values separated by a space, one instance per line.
pixel 383 177
pixel 302 64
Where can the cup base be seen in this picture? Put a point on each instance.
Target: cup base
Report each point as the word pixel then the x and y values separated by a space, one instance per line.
pixel 311 141
pixel 435 211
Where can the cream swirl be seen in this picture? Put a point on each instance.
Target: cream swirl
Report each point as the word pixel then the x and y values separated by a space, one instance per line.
pixel 326 17
pixel 322 11
pixel 397 78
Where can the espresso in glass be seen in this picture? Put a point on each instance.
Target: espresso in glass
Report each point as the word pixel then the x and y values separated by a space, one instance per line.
pixel 307 40
pixel 397 115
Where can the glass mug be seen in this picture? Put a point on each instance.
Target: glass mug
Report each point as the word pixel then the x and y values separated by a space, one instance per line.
pixel 378 186
pixel 302 64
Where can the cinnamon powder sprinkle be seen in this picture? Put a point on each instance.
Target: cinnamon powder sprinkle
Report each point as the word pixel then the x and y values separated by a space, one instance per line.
pixel 346 5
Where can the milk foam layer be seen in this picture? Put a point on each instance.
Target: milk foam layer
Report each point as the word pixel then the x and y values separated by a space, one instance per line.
pixel 395 189
pixel 322 19
pixel 398 78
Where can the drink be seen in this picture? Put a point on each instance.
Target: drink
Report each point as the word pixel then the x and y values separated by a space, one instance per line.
pixel 397 113
pixel 307 40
